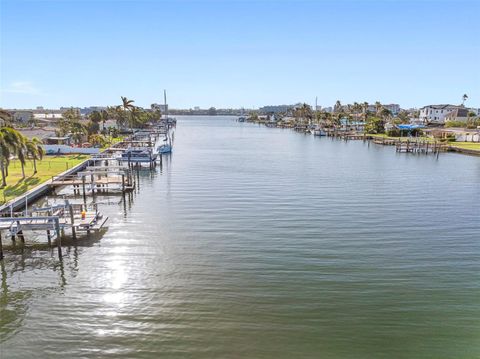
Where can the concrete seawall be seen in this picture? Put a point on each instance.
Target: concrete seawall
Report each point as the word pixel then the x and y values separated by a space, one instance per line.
pixel 465 151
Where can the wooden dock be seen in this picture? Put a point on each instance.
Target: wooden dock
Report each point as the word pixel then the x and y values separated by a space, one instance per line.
pixel 103 178
pixel 420 147
pixel 54 219
pixel 101 173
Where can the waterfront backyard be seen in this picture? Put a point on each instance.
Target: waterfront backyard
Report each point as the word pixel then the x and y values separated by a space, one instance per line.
pixel 46 168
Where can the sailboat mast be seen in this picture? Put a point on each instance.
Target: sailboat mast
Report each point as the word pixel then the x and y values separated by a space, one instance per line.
pixel 165 103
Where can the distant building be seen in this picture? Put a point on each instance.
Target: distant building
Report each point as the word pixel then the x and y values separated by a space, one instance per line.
pixel 22 116
pixel 49 117
pixel 89 110
pixel 394 108
pixel 160 107
pixel 476 111
pixel 196 108
pixel 64 109
pixel 275 108
pixel 436 113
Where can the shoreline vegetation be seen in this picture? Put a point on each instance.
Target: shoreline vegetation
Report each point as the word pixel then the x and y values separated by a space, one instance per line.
pixel 358 122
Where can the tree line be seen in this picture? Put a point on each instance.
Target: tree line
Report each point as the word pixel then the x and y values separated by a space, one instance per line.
pixel 126 116
pixel 374 120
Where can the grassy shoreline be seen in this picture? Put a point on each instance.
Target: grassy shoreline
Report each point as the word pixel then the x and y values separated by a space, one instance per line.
pixel 48 167
pixel 462 145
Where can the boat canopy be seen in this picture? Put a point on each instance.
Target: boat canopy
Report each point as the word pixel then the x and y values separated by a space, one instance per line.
pixel 409 127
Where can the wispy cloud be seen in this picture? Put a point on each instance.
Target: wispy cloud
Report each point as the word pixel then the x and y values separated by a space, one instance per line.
pixel 22 87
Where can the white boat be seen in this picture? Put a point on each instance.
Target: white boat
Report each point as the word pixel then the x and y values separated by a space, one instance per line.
pixel 319 132
pixel 165 148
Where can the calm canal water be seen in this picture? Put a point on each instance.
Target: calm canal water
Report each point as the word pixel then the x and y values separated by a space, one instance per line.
pixel 252 242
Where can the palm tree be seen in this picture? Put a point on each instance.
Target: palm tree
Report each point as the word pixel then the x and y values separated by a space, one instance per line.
pixel 104 115
pixel 10 140
pixel 378 107
pixel 21 152
pixel 35 151
pixel 5 116
pixel 385 114
pixel 365 111
pixel 135 114
pixel 337 107
pixel 78 131
pixel 305 112
pixel 5 153
pixel 128 105
pixel 464 98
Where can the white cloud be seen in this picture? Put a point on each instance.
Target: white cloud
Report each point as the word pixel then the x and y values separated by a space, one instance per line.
pixel 22 87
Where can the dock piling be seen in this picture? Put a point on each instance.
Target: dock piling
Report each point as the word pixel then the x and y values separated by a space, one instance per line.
pixel 59 238
pixel 72 219
pixel 1 247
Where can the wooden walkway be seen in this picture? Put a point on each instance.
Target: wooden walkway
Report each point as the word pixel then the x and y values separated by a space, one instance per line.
pixel 420 147
pixel 54 219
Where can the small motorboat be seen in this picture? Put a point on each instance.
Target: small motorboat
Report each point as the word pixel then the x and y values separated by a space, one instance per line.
pixel 319 132
pixel 165 148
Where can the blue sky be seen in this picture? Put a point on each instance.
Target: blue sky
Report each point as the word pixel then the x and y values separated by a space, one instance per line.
pixel 238 53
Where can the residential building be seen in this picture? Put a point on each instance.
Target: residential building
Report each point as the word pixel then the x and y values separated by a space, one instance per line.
pixel 394 108
pixel 436 113
pixel 458 114
pixel 163 108
pixel 47 116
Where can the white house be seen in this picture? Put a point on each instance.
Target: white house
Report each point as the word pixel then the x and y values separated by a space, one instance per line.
pixel 436 113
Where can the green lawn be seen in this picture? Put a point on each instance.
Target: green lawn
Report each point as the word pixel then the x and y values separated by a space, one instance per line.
pixel 382 135
pixel 466 145
pixel 48 167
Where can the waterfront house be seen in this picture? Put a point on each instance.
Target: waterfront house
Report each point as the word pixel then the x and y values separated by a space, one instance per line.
pixel 458 114
pixel 436 113
pixel 349 125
